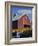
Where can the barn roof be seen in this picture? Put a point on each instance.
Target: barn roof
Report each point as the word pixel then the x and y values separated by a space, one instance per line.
pixel 18 17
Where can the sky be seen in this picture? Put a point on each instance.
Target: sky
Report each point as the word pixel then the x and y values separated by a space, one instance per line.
pixel 20 11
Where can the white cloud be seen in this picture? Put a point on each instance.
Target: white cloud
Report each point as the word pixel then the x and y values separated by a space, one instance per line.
pixel 21 12
pixel 24 11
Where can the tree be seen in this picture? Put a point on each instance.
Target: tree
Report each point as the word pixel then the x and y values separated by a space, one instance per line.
pixel 14 15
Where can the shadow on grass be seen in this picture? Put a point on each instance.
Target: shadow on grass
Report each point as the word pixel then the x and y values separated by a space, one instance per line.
pixel 22 34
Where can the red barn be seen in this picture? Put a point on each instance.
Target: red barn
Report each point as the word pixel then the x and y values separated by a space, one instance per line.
pixel 24 22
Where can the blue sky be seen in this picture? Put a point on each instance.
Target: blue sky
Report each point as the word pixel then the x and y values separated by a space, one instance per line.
pixel 21 10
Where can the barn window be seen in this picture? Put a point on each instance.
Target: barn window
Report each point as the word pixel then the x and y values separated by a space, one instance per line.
pixel 26 25
pixel 15 24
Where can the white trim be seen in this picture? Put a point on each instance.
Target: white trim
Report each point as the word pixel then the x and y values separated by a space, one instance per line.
pixel 33 23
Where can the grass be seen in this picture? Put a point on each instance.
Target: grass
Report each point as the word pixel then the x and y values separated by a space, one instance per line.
pixel 22 29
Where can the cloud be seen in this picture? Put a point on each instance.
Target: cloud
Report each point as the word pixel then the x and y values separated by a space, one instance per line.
pixel 21 13
pixel 24 11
